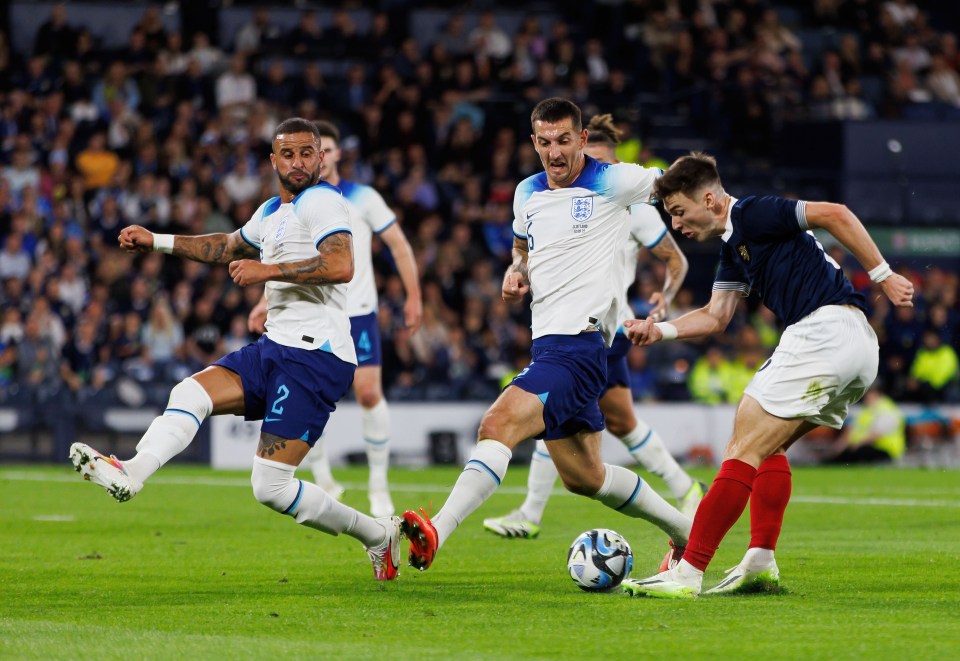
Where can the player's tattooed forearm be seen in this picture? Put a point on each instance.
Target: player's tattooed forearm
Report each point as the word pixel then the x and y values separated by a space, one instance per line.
pixel 316 270
pixel 674 265
pixel 270 445
pixel 212 248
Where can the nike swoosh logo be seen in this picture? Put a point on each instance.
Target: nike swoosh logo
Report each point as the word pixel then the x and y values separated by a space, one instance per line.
pixel 531 214
pixel 271 419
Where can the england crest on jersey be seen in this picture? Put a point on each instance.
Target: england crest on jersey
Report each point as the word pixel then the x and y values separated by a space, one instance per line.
pixel 581 208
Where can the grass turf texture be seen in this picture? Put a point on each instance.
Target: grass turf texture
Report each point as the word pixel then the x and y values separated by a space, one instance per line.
pixel 194 567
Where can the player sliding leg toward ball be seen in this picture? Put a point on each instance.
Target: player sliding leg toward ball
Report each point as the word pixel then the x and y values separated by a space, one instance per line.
pixel 294 375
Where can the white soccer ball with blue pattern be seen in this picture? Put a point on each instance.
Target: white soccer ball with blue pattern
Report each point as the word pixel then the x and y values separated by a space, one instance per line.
pixel 599 560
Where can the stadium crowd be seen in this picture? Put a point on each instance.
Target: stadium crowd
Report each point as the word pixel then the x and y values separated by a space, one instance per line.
pixel 172 132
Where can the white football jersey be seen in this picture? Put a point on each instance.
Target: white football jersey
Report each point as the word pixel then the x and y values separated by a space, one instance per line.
pixel 646 228
pixel 369 215
pixel 575 236
pixel 303 316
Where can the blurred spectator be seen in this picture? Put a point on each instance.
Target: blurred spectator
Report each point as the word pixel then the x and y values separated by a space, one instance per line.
pixel 709 380
pixel 257 34
pixel 56 37
pixel 877 433
pixel 236 89
pixel 943 81
pixel 935 368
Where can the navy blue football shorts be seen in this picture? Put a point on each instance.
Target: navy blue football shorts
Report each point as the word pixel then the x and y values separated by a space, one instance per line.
pixel 292 390
pixel 365 330
pixel 568 373
pixel 618 372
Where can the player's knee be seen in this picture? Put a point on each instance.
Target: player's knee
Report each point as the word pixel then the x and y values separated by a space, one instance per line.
pixel 582 483
pixel 368 395
pixel 491 426
pixel 620 425
pixel 275 488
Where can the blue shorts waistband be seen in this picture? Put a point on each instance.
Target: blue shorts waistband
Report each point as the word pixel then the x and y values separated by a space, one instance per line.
pixel 586 338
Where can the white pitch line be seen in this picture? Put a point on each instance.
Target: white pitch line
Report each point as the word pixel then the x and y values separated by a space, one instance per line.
pixel 20 476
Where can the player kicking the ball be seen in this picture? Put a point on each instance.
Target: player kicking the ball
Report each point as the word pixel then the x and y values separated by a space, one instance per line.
pixel 826 360
pixel 569 226
pixel 646 229
pixel 294 375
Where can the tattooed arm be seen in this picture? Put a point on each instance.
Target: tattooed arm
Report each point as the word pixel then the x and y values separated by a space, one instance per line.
pixel 206 248
pixel 516 281
pixel 668 252
pixel 333 264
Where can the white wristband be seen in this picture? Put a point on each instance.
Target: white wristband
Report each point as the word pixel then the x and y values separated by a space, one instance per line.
pixel 668 330
pixel 163 243
pixel 880 273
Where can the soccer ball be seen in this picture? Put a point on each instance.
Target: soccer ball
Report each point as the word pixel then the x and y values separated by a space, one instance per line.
pixel 599 560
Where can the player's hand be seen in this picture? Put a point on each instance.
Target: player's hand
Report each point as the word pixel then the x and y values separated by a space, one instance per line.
pixel 246 272
pixel 899 290
pixel 257 319
pixel 660 305
pixel 514 287
pixel 642 331
pixel 412 314
pixel 136 239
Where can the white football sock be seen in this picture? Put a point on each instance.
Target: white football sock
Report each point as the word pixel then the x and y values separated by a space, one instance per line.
pixel 481 476
pixel 757 558
pixel 624 491
pixel 543 475
pixel 275 486
pixel 648 449
pixel 170 433
pixel 319 463
pixel 376 437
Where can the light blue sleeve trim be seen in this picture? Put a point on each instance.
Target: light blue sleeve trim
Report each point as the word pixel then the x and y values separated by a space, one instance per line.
pixel 331 233
pixel 520 236
pixel 244 237
pixel 659 239
pixel 387 226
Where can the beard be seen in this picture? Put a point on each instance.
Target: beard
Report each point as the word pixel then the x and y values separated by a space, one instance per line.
pixel 297 187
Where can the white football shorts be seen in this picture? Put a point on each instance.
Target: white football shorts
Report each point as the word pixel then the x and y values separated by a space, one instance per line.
pixel 824 363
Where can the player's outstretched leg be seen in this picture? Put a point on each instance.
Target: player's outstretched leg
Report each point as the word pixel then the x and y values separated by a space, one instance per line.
pixel 376 437
pixel 524 522
pixel 319 464
pixel 275 486
pixel 646 446
pixel 758 571
pixel 168 435
pixel 481 476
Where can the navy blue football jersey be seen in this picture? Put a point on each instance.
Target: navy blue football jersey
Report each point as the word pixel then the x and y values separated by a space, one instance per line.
pixel 768 248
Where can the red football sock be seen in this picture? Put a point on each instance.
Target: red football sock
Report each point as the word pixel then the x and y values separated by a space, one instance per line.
pixel 768 502
pixel 719 510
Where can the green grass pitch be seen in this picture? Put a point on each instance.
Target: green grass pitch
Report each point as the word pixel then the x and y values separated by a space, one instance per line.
pixel 195 568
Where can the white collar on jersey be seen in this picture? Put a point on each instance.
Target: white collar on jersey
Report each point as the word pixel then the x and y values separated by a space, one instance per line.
pixel 728 226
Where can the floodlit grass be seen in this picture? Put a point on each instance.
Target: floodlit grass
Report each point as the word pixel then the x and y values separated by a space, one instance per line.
pixel 194 567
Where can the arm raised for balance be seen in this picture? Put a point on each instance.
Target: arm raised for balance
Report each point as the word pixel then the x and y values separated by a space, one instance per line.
pixel 850 232
pixel 206 248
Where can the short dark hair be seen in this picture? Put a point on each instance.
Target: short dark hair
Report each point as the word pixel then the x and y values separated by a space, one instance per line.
pixel 296 125
pixel 687 175
pixel 553 110
pixel 328 130
pixel 601 131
